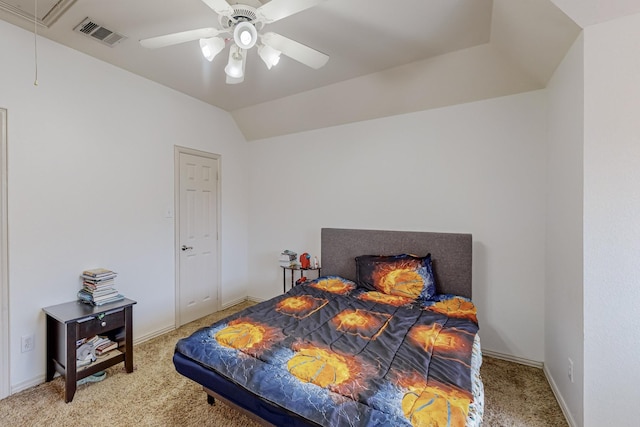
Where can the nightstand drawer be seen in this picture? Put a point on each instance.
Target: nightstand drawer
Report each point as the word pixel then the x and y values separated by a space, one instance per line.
pixel 97 325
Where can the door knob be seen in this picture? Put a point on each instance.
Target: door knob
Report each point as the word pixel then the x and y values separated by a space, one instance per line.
pixel 185 248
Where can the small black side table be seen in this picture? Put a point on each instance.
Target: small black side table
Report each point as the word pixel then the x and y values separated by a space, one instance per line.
pixel 71 321
pixel 292 269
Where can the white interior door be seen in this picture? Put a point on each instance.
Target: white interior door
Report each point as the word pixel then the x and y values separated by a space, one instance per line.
pixel 198 287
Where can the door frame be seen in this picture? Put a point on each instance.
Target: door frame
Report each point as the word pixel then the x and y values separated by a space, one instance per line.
pixel 4 262
pixel 176 218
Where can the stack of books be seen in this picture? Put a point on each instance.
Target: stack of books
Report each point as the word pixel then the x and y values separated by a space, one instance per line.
pixel 288 259
pixel 98 287
pixel 88 349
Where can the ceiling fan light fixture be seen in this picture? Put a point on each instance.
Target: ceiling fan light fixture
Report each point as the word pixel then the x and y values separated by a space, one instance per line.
pixel 235 66
pixel 245 35
pixel 242 25
pixel 211 47
pixel 269 55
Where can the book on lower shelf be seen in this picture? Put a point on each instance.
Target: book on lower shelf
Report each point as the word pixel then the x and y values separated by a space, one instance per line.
pixel 89 349
pixel 106 347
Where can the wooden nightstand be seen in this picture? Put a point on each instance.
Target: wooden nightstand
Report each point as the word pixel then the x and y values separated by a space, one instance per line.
pixel 69 322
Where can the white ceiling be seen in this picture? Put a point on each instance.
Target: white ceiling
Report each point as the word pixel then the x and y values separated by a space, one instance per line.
pixel 386 57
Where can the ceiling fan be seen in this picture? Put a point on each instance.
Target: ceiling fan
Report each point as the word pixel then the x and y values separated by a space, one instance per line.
pixel 242 25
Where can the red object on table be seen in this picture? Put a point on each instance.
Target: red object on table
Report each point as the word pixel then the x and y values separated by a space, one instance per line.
pixel 305 260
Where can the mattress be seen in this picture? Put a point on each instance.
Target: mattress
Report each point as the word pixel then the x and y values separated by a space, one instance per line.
pixel 330 353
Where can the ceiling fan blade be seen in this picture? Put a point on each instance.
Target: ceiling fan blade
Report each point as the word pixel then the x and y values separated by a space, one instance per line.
pixel 278 9
pixel 221 7
pixel 177 38
pixel 294 50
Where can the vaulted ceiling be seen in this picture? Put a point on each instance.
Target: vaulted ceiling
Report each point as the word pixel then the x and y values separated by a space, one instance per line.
pixel 385 58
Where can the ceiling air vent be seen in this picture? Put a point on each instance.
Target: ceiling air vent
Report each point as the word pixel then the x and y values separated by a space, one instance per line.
pixel 97 32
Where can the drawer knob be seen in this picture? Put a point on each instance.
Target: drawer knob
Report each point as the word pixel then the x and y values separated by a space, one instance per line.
pixel 104 323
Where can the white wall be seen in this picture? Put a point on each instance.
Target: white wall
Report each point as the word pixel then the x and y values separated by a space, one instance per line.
pixel 477 168
pixel 611 222
pixel 90 180
pixel 564 276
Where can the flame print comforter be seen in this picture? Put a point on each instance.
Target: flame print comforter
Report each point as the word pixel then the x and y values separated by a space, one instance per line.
pixel 340 355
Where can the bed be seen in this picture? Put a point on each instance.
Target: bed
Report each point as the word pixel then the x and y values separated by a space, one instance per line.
pixel 382 338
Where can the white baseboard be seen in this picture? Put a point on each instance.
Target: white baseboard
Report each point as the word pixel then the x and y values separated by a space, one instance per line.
pixel 37 380
pixel 152 335
pixel 255 299
pixel 232 303
pixel 510 358
pixel 559 398
pixel 163 331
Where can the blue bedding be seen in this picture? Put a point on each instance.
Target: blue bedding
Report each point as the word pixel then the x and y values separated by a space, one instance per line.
pixel 336 354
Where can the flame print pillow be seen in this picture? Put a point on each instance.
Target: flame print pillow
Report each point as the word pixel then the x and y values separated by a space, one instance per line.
pixel 333 284
pixel 403 275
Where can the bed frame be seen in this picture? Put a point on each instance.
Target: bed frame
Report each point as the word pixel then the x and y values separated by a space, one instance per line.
pixel 452 263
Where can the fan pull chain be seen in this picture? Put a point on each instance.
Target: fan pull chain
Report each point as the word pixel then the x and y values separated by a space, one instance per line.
pixel 35 41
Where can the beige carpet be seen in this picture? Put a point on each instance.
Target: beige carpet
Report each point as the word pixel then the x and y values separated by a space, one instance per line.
pixel 156 395
pixel 518 396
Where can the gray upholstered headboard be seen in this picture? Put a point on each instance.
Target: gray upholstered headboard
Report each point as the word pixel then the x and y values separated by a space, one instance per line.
pixel 451 253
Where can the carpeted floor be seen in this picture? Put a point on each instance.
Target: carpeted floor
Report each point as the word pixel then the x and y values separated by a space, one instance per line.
pixel 156 395
pixel 518 396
